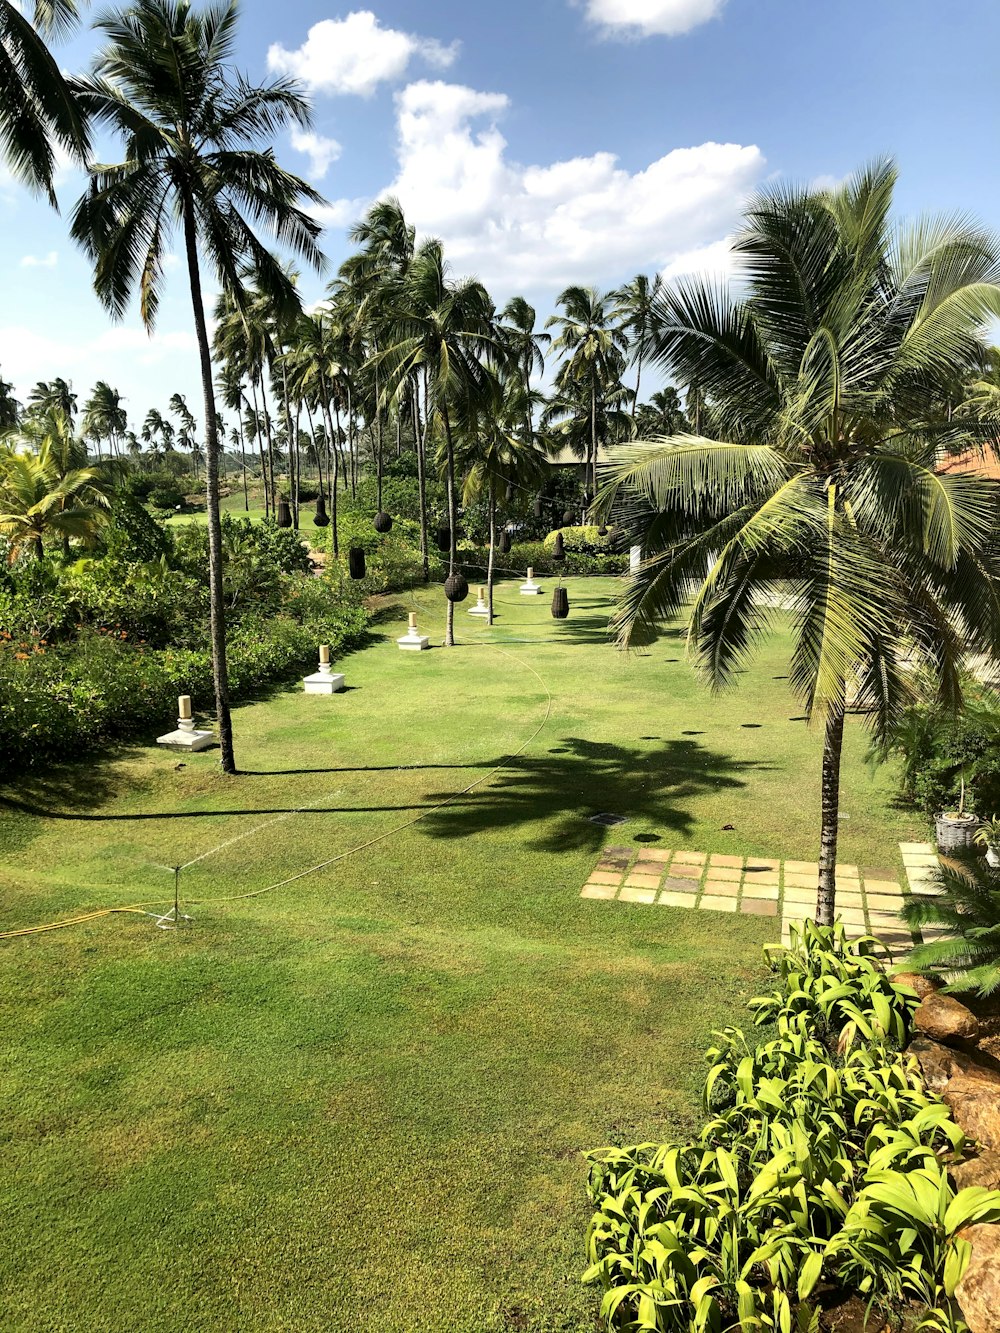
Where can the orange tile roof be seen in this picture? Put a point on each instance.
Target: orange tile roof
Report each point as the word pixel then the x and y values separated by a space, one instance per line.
pixel 972 463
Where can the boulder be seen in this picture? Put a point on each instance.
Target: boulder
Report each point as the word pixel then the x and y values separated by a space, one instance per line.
pixel 968 1085
pixel 978 1293
pixel 916 981
pixel 945 1019
pixel 981 1172
pixel 936 1062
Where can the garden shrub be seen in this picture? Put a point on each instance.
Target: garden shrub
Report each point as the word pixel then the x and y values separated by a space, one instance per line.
pixel 821 1168
pixel 939 749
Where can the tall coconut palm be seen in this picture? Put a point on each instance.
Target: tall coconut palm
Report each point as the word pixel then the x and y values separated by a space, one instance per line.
pixel 825 379
pixel 52 396
pixel 38 111
pixel 104 417
pixel 191 127
pixel 525 345
pixel 441 330
pixel 498 453
pixel 10 408
pixel 187 425
pixel 635 310
pixel 662 415
pixel 593 348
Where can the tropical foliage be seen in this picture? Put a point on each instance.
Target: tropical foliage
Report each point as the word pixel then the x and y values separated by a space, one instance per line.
pixel 964 914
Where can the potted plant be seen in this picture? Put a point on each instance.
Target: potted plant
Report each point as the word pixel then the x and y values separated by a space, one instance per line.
pixel 955 830
pixel 988 836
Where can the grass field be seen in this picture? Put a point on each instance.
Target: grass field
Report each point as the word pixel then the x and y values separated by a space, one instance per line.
pixel 358 1101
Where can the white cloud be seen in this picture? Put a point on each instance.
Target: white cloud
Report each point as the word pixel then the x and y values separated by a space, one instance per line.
pixel 648 18
pixel 715 261
pixel 355 54
pixel 41 261
pixel 320 151
pixel 587 219
pixel 27 356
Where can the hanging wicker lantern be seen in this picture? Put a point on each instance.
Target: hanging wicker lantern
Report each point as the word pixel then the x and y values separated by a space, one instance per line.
pixel 284 514
pixel 322 519
pixel 505 542
pixel 558 549
pixel 383 521
pixel 602 531
pixel 560 604
pixel 444 539
pixel 356 562
pixel 568 518
pixel 456 587
pixel 538 506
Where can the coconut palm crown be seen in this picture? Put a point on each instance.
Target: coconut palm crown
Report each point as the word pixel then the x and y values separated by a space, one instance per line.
pixel 826 376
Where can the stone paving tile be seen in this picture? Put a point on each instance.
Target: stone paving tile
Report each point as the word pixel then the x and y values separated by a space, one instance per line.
pixel 689 887
pixel 598 891
pixel 755 890
pixel 797 881
pixel 618 851
pixel 889 887
pixel 725 872
pixel 886 921
pixel 758 907
pixel 725 887
pixel 850 872
pixel 733 862
pixel 921 860
pixel 655 854
pixel 612 863
pixel 668 898
pixel 635 881
pixel 756 878
pixel 636 895
pixel 905 847
pixel 688 872
pixel 851 916
pixel 801 894
pixel 714 904
pixel 605 877
pixel 689 858
pixel 762 863
pixel 647 868
pixel 802 867
pixel 876 872
pixel 884 902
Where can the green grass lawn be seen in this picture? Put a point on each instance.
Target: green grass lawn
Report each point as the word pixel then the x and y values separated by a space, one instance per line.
pixel 358 1101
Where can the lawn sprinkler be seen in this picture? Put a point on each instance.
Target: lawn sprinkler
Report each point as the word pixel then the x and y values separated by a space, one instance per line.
pixel 175 919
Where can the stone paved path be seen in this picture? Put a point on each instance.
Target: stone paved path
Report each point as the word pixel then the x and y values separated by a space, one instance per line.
pixel 868 898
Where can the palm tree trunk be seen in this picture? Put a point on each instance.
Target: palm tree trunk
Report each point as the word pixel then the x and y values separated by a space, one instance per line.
pixel 217 610
pixel 638 378
pixel 270 443
pixel 493 545
pixel 449 637
pixel 422 483
pixel 378 445
pixel 833 743
pixel 260 448
pixel 593 436
pixel 243 458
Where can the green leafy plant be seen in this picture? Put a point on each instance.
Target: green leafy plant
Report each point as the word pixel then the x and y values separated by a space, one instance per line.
pixel 967 907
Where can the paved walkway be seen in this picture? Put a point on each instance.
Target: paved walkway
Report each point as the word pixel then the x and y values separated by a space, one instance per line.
pixel 868 899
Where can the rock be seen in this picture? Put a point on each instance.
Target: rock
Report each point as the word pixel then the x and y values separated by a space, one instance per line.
pixel 936 1062
pixel 945 1019
pixel 982 1171
pixel 978 1293
pixel 916 981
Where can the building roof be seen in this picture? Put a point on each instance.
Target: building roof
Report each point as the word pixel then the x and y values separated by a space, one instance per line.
pixel 972 463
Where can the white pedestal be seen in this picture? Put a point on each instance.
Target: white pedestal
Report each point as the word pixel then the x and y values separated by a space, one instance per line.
pixel 324 681
pixel 530 589
pixel 185 738
pixel 480 608
pixel 413 642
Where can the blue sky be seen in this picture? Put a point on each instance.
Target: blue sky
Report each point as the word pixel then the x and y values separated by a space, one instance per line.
pixel 551 141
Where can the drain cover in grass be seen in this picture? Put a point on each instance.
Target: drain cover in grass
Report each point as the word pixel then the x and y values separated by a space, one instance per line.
pixel 609 821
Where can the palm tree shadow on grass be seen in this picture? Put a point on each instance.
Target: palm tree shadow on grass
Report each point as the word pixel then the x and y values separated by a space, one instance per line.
pixel 558 792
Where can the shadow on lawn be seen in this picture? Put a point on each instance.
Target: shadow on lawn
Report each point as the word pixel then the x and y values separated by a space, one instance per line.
pixel 563 788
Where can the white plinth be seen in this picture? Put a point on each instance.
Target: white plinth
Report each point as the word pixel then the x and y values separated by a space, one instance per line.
pixel 188 741
pixel 530 589
pixel 414 643
pixel 480 609
pixel 324 682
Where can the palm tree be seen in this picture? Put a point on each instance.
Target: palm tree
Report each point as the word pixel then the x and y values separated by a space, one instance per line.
pixel 662 415
pixel 52 396
pixel 10 408
pixel 104 417
pixel 190 126
pixel 826 384
pixel 185 433
pixel 635 310
pixel 525 346
pixel 593 349
pixel 37 105
pixel 440 329
pixel 497 453
pixel 46 489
